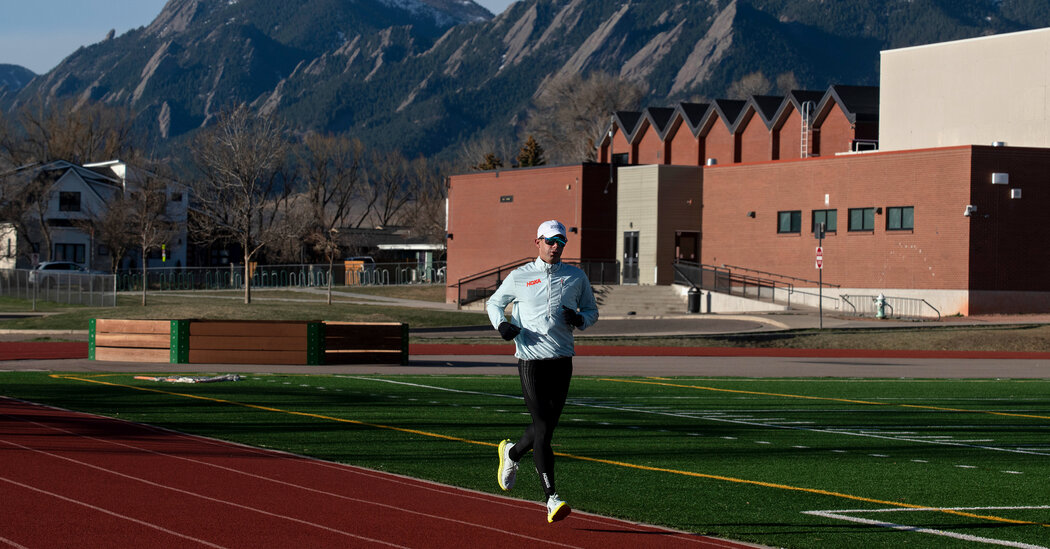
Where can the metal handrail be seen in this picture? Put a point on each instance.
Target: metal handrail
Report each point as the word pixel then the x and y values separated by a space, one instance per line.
pixel 788 277
pixel 899 307
pixel 723 280
pixel 595 270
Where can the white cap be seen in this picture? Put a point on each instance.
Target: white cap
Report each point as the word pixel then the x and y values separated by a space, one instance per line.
pixel 550 228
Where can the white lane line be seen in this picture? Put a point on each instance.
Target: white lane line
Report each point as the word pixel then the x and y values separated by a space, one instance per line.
pixel 386 477
pixel 108 512
pixel 192 494
pixel 843 514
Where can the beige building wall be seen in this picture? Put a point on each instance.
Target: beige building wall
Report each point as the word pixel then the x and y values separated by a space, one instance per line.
pixel 656 200
pixel 967 92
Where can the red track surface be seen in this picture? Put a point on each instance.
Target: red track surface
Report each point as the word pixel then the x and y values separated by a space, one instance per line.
pixel 42 350
pixel 69 479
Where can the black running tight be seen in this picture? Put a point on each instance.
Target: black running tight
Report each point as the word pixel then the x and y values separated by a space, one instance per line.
pixel 545 385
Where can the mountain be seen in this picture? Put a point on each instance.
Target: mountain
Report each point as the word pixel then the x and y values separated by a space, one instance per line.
pixel 14 77
pixel 424 75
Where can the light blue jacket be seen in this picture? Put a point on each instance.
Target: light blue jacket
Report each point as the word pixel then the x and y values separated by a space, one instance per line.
pixel 538 291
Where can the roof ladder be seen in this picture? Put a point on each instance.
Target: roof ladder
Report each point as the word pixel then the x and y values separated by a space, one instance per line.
pixel 807 114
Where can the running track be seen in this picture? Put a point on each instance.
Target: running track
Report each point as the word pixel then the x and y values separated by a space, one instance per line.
pixel 70 479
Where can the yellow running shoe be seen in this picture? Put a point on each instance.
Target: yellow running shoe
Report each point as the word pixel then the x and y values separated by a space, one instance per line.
pixel 508 468
pixel 557 509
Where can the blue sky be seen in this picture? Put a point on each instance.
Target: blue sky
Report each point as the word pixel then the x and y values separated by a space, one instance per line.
pixel 37 34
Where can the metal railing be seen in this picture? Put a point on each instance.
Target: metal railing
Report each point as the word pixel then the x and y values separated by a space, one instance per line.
pixel 483 284
pixel 69 287
pixel 282 276
pixel 794 279
pixel 724 280
pixel 896 307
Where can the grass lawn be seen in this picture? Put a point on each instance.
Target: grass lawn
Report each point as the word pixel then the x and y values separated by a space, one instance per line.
pixel 867 463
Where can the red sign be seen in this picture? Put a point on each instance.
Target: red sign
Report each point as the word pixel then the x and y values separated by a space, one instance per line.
pixel 820 257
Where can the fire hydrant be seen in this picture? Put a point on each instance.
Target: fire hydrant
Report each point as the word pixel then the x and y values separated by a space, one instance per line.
pixel 880 306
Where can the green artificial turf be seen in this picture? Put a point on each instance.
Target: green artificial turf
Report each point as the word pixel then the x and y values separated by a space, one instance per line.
pixel 783 462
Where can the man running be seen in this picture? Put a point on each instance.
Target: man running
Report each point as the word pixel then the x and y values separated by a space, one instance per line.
pixel 551 300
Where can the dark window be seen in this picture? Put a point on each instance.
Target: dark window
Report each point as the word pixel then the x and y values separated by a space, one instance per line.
pixel 900 218
pixel 862 219
pixel 789 222
pixel 176 197
pixel 69 252
pixel 621 159
pixel 830 219
pixel 68 201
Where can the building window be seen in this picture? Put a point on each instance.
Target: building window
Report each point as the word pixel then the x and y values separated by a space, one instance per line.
pixel 621 159
pixel 862 219
pixel 830 219
pixel 69 252
pixel 789 222
pixel 68 201
pixel 900 218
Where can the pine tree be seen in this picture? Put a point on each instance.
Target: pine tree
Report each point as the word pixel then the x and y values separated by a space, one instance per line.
pixel 531 154
pixel 491 162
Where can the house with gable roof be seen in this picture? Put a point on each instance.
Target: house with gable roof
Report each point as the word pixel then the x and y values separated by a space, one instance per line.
pixel 75 195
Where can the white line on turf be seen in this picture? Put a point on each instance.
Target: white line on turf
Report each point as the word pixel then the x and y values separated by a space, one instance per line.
pixel 933 440
pixel 844 514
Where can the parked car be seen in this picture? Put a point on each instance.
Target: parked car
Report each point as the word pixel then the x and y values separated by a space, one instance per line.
pixel 53 273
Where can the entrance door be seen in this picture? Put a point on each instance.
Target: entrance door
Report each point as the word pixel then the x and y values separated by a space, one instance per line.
pixel 687 246
pixel 630 257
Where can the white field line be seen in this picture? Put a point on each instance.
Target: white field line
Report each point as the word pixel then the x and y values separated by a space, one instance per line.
pixel 843 514
pixel 939 441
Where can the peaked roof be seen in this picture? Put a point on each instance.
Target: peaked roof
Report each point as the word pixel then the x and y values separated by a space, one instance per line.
pixel 859 103
pixel 660 118
pixel 729 110
pixel 628 122
pixel 795 100
pixel 766 106
pixel 693 115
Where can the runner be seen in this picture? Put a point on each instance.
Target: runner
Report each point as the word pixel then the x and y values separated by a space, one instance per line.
pixel 551 300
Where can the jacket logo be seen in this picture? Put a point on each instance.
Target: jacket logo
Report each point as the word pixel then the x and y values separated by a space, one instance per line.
pixel 533 282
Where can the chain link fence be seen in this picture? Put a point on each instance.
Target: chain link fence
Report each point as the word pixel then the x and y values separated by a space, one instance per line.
pixel 283 276
pixel 69 287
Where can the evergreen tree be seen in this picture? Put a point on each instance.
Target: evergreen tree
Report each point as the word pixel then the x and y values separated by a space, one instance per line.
pixel 491 162
pixel 531 154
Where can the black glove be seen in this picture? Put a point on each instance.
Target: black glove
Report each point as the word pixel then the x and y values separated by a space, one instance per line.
pixel 508 331
pixel 571 317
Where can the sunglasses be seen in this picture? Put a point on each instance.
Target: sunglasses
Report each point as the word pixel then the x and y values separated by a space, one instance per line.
pixel 557 239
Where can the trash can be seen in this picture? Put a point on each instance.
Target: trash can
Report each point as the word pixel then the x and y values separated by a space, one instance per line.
pixel 694 300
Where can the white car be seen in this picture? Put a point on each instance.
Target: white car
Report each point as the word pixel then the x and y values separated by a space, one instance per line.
pixel 53 273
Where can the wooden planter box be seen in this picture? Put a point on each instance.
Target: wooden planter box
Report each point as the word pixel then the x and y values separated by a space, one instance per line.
pixel 248 342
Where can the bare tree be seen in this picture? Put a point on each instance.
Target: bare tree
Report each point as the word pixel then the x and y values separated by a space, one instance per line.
pixel 387 191
pixel 754 83
pixel 571 113
pixel 149 223
pixel 110 228
pixel 425 211
pixel 482 153
pixel 332 170
pixel 65 130
pixel 40 133
pixel 242 190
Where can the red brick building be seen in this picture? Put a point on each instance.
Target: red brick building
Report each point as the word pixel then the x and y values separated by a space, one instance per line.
pixel 772 167
pixel 492 217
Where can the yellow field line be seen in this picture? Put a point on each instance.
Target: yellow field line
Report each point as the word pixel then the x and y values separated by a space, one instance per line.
pixel 830 399
pixel 562 454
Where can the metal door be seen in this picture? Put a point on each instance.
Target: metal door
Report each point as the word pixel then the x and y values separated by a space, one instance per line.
pixel 687 246
pixel 630 257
